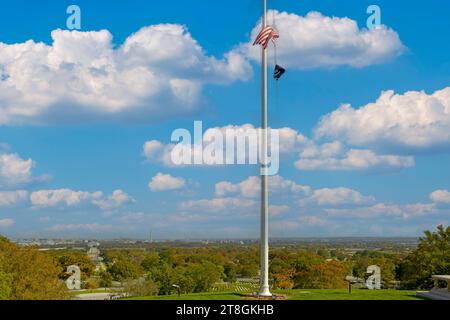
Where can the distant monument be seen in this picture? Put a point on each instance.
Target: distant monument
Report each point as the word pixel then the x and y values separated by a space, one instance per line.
pixel 374 279
pixel 74 281
pixel 95 255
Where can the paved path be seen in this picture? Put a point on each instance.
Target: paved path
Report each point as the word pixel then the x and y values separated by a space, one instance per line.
pixel 94 296
pixel 435 294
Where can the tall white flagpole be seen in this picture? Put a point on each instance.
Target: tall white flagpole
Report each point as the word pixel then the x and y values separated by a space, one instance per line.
pixel 264 241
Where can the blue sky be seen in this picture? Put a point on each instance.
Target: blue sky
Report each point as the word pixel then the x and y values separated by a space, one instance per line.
pixel 70 139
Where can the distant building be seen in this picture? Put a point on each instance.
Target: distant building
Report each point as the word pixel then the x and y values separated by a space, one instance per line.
pixel 94 254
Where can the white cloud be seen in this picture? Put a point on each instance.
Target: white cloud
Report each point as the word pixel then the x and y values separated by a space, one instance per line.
pixel 116 200
pixel 405 211
pixel 83 76
pixel 336 197
pixel 326 150
pixel 89 227
pixel 413 121
pixel 165 182
pixel 62 198
pixel 313 156
pixel 11 198
pixel 218 204
pixel 300 223
pixel 5 223
pixel 251 187
pixel 319 41
pixel 15 171
pixel 355 159
pixel 277 210
pixel 156 151
pixel 440 196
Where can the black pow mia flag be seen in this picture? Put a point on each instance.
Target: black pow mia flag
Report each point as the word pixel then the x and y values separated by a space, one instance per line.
pixel 278 72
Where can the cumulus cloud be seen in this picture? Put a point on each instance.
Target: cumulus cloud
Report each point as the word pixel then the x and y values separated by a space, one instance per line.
pixel 290 141
pixel 165 182
pixel 62 198
pixel 251 187
pixel 16 171
pixel 355 159
pixel 157 152
pixel 300 223
pixel 411 122
pixel 333 155
pixel 394 125
pixel 404 211
pixel 336 197
pixel 440 196
pixel 242 198
pixel 116 200
pixel 206 209
pixel 316 41
pixel 218 204
pixel 88 227
pixel 11 198
pixel 5 223
pixel 157 72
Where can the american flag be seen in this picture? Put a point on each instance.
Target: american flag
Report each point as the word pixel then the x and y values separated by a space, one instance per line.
pixel 266 34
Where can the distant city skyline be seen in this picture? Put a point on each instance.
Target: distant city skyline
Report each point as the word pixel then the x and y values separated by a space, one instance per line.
pixel 86 119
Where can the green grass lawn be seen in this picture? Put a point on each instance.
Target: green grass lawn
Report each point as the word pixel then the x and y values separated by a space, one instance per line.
pixel 357 294
pixel 302 294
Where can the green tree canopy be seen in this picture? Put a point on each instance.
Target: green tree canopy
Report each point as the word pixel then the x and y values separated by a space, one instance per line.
pixel 27 274
pixel 431 257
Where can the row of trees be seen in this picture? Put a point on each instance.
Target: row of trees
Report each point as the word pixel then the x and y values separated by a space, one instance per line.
pixel 198 269
pixel 26 273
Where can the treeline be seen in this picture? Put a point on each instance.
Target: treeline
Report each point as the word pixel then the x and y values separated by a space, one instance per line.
pixel 26 273
pixel 198 269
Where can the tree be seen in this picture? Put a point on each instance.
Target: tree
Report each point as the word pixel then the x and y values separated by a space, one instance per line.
pixel 248 270
pixel 326 275
pixel 85 264
pixel 150 261
pixel 204 275
pixel 28 274
pixel 284 280
pixel 304 260
pixel 163 277
pixel 141 287
pixel 180 276
pixel 229 271
pixel 123 268
pixel 431 257
pixel 105 279
pixel 6 285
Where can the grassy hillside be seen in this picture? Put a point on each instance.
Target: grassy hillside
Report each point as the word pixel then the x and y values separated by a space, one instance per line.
pixel 302 294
